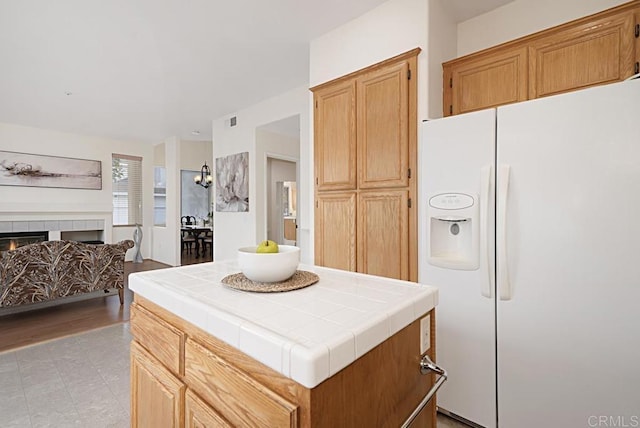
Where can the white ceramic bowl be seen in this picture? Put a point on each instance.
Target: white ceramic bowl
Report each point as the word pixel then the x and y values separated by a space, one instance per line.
pixel 269 267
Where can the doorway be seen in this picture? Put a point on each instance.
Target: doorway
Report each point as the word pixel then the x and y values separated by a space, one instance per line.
pixel 278 148
pixel 282 206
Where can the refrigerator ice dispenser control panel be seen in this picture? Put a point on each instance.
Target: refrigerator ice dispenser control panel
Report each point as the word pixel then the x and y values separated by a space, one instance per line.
pixel 451 201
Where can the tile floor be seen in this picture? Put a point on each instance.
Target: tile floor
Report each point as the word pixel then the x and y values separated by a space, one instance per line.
pixel 76 381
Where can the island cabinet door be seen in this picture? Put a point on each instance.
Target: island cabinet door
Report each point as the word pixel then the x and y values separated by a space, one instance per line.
pixel 199 414
pixel 157 336
pixel 235 396
pixel 157 396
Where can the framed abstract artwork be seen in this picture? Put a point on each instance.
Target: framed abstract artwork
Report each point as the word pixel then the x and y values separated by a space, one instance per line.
pixel 23 169
pixel 232 183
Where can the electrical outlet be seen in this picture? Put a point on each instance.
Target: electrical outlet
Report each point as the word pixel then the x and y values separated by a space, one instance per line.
pixel 425 334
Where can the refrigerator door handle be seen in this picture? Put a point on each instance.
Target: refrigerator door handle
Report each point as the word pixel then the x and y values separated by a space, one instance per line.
pixel 501 237
pixel 488 283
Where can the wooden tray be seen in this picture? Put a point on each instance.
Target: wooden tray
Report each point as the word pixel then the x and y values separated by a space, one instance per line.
pixel 300 279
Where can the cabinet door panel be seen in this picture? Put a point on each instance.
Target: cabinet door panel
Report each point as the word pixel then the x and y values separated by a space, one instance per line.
pixel 232 392
pixel 383 223
pixel 156 395
pixel 335 227
pixel 199 415
pixel 158 336
pixel 590 54
pixel 489 81
pixel 335 137
pixel 383 133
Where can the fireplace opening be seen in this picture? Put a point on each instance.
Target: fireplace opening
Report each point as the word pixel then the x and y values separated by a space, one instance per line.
pixel 13 240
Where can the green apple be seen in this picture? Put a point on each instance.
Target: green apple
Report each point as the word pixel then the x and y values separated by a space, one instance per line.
pixel 267 247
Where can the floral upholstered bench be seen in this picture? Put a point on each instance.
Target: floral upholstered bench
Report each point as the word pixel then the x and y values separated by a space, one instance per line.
pixel 55 270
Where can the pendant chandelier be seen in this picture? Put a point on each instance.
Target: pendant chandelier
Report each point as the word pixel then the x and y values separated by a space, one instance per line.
pixel 204 179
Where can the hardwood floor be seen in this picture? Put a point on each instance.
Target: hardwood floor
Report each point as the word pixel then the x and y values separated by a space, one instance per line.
pixel 27 328
pixel 190 258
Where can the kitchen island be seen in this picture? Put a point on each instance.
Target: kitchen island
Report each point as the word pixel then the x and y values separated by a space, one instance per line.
pixel 344 351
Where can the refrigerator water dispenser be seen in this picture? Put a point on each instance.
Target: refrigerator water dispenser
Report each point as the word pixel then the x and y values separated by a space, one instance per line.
pixel 453 231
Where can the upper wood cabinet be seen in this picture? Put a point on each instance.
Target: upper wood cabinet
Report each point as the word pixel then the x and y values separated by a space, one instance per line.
pixel 488 81
pixel 593 53
pixel 335 137
pixel 383 132
pixel 598 49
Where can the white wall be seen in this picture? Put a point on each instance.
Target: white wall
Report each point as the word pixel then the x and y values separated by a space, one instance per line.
pixel 390 29
pixel 33 203
pixel 233 230
pixel 166 239
pixel 523 17
pixel 443 38
pixel 193 154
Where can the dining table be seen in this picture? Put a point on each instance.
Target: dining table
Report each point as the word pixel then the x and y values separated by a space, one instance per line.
pixel 195 231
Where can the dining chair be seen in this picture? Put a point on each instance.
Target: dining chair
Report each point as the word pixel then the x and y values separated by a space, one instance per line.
pixel 187 220
pixel 206 240
pixel 187 240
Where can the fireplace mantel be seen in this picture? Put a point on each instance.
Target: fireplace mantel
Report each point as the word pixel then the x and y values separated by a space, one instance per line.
pixel 72 221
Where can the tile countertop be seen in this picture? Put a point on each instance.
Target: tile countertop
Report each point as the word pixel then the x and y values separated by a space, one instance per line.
pixel 308 334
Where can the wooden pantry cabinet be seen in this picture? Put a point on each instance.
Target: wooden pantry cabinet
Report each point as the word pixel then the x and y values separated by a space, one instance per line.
pixel 594 50
pixel 365 149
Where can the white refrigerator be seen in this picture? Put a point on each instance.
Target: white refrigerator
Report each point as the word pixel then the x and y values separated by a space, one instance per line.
pixel 529 224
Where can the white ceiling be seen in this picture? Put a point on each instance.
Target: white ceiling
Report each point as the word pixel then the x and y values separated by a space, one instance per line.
pixel 151 69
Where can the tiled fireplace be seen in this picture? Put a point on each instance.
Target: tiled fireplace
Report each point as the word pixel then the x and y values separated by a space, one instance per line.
pixel 13 240
pixel 17 233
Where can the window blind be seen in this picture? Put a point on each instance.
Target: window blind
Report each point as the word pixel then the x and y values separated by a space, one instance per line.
pixel 126 173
